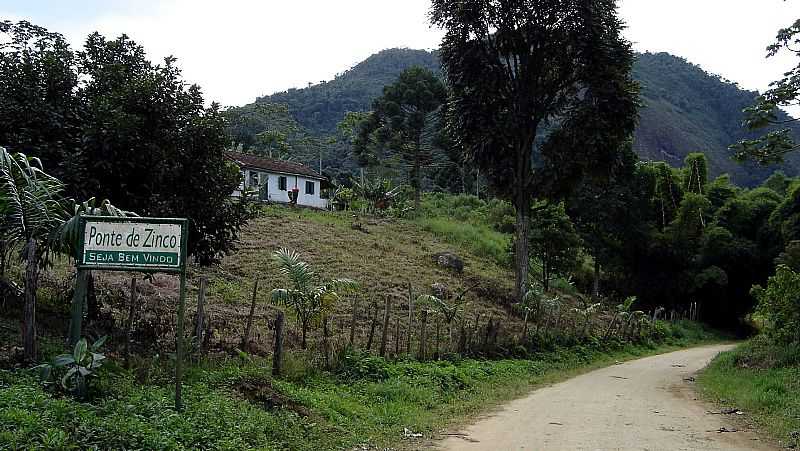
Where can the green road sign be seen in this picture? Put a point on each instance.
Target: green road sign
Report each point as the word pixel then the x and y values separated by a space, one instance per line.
pixel 132 244
pixel 110 243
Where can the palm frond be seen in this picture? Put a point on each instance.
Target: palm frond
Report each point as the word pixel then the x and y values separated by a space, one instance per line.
pixel 31 205
pixel 66 237
pixel 298 271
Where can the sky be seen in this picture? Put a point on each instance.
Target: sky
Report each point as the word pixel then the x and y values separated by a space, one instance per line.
pixel 237 50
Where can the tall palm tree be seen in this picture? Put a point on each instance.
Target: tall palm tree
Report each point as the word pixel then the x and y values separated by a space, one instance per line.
pixel 31 208
pixel 310 302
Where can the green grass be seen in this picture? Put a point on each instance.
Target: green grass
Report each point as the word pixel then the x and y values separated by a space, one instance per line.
pixel 480 240
pixel 763 381
pixel 367 400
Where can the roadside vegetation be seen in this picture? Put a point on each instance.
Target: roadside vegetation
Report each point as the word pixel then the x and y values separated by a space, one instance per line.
pixel 235 403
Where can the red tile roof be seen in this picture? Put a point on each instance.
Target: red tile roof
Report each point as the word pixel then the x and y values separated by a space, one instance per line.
pixel 273 165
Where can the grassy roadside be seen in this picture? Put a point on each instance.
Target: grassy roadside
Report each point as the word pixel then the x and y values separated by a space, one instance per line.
pixel 763 381
pixel 235 404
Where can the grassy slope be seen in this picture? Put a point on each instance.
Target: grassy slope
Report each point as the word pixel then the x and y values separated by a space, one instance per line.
pixel 762 381
pixel 370 402
pixel 392 254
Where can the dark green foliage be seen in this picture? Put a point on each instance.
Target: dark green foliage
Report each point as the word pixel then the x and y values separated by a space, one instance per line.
pixel 554 243
pixel 779 306
pixel 541 95
pixel 688 110
pixel 779 139
pixel 40 111
pixel 405 122
pixel 685 109
pixel 130 130
pixel 319 108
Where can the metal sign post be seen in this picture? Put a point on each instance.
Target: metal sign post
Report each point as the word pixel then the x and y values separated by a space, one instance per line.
pixel 149 245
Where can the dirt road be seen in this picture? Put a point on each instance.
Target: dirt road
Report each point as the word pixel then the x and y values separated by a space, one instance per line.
pixel 645 404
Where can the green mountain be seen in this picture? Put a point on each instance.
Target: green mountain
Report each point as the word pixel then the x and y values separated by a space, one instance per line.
pixel 685 108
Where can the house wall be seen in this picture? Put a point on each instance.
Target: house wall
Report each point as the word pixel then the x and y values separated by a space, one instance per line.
pixel 274 194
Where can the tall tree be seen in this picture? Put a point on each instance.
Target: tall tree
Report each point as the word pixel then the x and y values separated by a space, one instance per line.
pixel 151 143
pixel 766 113
pixel 40 111
pixel 541 95
pixel 403 121
pixel 110 122
pixel 554 243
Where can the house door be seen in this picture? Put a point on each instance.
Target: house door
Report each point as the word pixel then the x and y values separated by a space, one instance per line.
pixel 263 192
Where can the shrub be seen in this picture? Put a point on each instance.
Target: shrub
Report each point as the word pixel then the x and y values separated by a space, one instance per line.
pixel 779 306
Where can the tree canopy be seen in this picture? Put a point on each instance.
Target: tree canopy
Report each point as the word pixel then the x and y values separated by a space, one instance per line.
pixel 112 124
pixel 541 95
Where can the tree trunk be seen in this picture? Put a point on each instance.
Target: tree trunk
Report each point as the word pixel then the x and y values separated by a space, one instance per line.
pixel 521 251
pixel 277 355
pixel 304 326
pixel 416 177
pixel 29 312
pixel 524 337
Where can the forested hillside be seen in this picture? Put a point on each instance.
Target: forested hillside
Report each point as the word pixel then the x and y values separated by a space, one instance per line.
pixel 685 109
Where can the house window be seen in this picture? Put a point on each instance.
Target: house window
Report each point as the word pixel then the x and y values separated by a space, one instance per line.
pixel 309 187
pixel 253 179
pixel 282 183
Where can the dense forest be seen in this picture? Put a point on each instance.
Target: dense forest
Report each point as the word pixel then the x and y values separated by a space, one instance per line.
pixel 685 109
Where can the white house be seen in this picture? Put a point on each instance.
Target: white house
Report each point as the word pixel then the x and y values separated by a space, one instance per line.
pixel 274 180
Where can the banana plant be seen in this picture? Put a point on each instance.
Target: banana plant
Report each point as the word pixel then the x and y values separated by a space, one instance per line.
pixel 31 207
pixel 66 238
pixel 309 300
pixel 79 365
pixel 587 314
pixel 621 313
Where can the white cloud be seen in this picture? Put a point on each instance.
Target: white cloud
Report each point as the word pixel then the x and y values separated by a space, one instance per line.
pixel 237 50
pixel 240 49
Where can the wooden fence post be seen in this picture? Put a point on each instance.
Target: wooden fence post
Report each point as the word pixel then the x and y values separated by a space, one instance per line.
pixel 462 340
pixel 397 337
pixel 436 352
pixel 277 355
pixel 423 337
pixel 374 324
pixel 129 323
pixel 353 321
pixel 246 338
pixel 410 329
pixel 199 317
pixel 385 331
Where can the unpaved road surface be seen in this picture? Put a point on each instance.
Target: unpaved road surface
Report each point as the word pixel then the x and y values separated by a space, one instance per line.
pixel 644 404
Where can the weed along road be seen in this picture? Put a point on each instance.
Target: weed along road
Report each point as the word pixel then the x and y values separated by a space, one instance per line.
pixel 646 404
